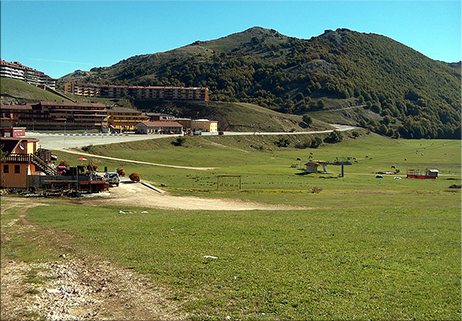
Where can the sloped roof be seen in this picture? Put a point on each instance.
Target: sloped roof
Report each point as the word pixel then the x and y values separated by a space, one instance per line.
pixel 72 104
pixel 161 123
pixel 10 143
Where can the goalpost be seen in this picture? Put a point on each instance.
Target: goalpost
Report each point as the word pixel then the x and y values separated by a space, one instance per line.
pixel 228 182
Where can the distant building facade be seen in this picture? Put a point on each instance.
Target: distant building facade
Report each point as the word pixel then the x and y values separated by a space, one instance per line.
pixel 17 71
pixel 140 92
pixel 159 127
pixel 55 115
pixel 52 115
pixel 124 119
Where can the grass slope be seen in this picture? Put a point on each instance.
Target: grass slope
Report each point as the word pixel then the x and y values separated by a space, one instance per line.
pixel 24 92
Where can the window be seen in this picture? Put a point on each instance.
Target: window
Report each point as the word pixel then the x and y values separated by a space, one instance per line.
pixel 6 168
pixel 17 169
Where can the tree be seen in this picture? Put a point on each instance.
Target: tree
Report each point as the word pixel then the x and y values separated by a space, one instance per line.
pixel 3 153
pixel 282 142
pixel 334 137
pixel 386 120
pixel 376 108
pixel 316 142
pixel 307 120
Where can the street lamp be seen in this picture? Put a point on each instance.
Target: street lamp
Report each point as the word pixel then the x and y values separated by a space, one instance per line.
pixel 64 134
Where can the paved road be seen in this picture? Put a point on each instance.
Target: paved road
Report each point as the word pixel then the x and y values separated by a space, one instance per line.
pixel 66 141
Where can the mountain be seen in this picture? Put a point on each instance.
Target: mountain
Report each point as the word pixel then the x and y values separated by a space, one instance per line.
pixel 413 95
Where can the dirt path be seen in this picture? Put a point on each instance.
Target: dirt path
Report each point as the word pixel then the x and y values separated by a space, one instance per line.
pixel 136 194
pixel 72 287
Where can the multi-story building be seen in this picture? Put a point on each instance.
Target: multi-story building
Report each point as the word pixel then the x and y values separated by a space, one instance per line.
pixel 123 119
pixel 20 72
pixel 140 92
pixel 55 115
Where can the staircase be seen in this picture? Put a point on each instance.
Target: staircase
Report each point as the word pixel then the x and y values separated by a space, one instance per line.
pixel 37 161
pixel 33 159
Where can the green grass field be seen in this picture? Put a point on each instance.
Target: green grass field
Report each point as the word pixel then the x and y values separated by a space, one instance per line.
pixel 363 248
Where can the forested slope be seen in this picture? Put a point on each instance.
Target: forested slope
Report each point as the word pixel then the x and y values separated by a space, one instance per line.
pixel 414 95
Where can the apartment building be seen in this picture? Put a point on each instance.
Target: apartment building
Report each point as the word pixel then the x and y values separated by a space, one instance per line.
pixel 55 115
pixel 16 70
pixel 123 119
pixel 140 92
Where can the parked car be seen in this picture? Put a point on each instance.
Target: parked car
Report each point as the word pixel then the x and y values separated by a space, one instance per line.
pixel 112 178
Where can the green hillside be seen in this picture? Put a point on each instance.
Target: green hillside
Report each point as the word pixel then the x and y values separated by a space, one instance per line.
pixel 15 91
pixel 412 95
pixel 235 116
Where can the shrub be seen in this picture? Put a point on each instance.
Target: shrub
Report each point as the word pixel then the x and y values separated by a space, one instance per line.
pixel 92 167
pixel 121 172
pixel 135 177
pixel 179 141
pixel 282 142
pixel 63 163
pixel 316 142
pixel 307 120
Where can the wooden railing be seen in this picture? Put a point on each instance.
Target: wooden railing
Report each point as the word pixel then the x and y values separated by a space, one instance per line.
pixel 31 158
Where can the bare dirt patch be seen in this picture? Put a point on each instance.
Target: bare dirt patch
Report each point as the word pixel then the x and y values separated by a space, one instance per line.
pixel 137 194
pixel 77 289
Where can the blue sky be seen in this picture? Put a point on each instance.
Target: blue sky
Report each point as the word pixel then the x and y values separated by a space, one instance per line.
pixel 58 37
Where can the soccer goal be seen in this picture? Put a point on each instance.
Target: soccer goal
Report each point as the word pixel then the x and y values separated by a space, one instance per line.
pixel 228 182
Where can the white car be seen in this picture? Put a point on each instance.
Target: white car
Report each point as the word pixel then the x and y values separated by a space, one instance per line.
pixel 112 178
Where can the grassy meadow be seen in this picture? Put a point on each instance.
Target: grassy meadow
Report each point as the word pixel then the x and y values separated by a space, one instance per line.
pixel 362 248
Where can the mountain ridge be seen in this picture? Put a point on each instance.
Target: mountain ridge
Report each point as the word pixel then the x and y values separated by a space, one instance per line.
pixel 416 96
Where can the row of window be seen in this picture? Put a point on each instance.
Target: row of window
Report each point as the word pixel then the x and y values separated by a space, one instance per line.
pixel 6 168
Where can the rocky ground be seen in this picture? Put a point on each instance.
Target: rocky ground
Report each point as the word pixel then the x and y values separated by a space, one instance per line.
pixel 80 289
pixel 73 287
